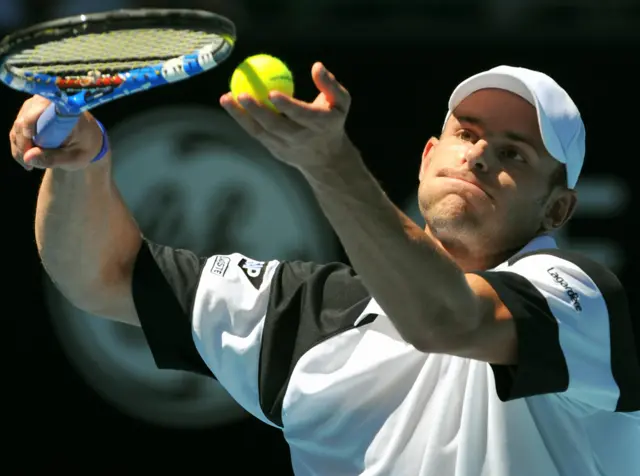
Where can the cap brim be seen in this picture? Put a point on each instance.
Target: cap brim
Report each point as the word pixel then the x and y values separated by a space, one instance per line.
pixel 507 82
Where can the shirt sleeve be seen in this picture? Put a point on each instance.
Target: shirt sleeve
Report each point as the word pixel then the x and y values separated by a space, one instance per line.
pixel 204 314
pixel 575 332
pixel 164 284
pixel 246 322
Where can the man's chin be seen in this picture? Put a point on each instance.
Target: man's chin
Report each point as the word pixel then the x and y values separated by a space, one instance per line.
pixel 455 215
pixel 457 207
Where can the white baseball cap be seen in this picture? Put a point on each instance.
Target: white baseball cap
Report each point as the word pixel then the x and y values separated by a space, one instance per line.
pixel 561 126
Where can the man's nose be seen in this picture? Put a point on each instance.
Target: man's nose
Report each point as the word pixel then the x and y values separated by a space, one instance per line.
pixel 477 156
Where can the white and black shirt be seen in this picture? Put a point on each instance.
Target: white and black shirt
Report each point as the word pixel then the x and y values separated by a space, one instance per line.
pixel 305 348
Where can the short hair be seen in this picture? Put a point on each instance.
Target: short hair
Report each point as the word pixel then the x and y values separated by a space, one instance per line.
pixel 558 177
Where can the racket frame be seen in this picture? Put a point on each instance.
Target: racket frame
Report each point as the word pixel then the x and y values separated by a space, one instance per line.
pixel 90 95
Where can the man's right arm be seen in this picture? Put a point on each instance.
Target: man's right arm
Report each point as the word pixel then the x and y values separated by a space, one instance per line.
pixel 246 322
pixel 88 240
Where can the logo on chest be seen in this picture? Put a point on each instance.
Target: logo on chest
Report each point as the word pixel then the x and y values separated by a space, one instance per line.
pixel 573 296
pixel 254 270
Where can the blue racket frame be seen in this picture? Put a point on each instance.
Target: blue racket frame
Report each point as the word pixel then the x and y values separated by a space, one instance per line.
pixel 59 119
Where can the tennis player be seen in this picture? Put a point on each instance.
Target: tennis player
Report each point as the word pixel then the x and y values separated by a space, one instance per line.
pixel 474 347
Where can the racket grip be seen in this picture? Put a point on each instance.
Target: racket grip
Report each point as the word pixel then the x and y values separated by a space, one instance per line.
pixel 52 129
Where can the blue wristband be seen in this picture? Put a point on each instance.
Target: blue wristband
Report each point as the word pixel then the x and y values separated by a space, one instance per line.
pixel 105 143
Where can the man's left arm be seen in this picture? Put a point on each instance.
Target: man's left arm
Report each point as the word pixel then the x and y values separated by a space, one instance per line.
pixel 505 319
pixel 433 304
pixel 550 322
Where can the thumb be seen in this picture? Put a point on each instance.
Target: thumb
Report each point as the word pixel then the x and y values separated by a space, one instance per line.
pixel 39 158
pixel 335 93
pixel 34 157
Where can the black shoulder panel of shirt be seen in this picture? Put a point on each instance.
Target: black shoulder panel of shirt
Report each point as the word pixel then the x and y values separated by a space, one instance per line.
pixel 538 333
pixel 164 285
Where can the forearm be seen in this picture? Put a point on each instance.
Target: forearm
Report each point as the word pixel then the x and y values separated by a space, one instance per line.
pixel 86 237
pixel 424 293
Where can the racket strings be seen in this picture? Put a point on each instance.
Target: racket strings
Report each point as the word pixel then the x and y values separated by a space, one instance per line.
pixel 111 52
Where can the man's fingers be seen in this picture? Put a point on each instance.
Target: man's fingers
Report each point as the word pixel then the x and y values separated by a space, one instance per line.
pixel 300 112
pixel 39 158
pixel 241 117
pixel 16 151
pixel 29 115
pixel 270 120
pixel 336 94
pixel 247 121
pixel 24 128
pixel 35 156
pixel 20 143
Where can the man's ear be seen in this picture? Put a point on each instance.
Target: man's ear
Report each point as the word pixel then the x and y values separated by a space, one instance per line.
pixel 426 156
pixel 561 205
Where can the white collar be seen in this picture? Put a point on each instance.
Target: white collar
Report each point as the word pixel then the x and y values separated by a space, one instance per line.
pixel 538 243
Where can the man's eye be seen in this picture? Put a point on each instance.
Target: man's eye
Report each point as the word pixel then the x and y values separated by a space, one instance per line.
pixel 466 135
pixel 511 153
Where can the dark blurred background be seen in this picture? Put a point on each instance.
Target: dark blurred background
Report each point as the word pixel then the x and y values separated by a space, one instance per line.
pixel 80 394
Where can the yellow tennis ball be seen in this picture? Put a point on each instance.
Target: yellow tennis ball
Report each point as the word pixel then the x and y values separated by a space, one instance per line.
pixel 260 74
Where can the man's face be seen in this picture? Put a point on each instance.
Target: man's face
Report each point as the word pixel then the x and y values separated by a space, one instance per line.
pixel 485 182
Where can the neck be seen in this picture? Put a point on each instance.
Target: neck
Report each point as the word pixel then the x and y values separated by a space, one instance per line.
pixel 472 258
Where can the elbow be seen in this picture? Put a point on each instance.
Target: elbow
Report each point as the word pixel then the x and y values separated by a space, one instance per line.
pixel 80 295
pixel 91 293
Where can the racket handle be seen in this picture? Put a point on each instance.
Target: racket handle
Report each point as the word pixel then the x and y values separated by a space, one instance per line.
pixel 52 129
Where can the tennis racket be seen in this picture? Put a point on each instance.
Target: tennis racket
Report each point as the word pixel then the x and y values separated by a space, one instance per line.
pixel 85 61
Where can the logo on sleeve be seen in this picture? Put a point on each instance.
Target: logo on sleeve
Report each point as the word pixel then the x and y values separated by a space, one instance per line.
pixel 220 265
pixel 573 296
pixel 254 270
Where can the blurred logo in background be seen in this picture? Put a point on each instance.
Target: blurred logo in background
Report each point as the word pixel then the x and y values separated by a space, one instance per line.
pixel 192 179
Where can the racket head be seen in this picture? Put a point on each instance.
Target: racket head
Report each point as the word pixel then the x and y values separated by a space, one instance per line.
pixel 83 61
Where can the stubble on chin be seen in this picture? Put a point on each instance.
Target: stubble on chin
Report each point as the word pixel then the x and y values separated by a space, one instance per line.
pixel 451 215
